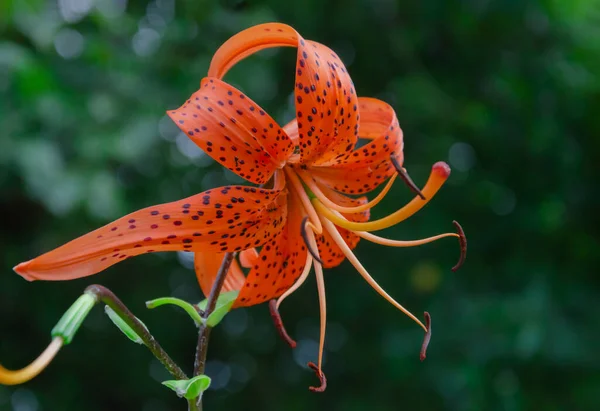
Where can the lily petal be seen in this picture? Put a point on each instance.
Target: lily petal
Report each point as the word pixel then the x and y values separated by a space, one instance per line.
pixel 207 266
pixel 378 123
pixel 224 219
pixel 368 166
pixel 234 130
pixel 248 42
pixel 326 102
pixel 280 261
pixel 326 105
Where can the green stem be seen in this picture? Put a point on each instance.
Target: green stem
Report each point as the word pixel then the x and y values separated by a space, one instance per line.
pixel 107 297
pixel 103 294
pixel 204 331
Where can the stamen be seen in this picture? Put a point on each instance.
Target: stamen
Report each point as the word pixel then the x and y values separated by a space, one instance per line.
pixel 439 174
pixel 406 178
pixel 278 180
pixel 313 252
pixel 427 337
pixel 298 282
pixel 399 243
pixel 462 240
pixel 275 307
pixel 294 181
pixel 320 376
pixel 9 377
pixel 322 301
pixel 279 324
pixel 310 182
pixel 337 238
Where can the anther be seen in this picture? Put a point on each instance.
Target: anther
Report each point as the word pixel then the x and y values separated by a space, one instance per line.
pixel 320 376
pixel 427 337
pixel 462 240
pixel 304 233
pixel 406 178
pixel 279 324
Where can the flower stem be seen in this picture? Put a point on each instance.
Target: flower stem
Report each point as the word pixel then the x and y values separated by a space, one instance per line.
pixel 204 331
pixel 107 297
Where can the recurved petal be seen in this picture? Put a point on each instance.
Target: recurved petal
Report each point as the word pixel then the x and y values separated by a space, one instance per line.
pixel 248 42
pixel 233 130
pixel 279 263
pixel 207 266
pixel 354 179
pixel 330 253
pixel 368 166
pixel 326 105
pixel 224 219
pixel 326 102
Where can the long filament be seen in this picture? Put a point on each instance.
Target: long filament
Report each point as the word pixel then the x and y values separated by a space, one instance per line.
pixel 309 181
pixel 10 377
pixel 322 300
pixel 298 282
pixel 439 174
pixel 294 181
pixel 399 243
pixel 337 238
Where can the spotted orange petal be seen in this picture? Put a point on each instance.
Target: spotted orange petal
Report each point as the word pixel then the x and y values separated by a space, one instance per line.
pixel 279 263
pixel 330 253
pixel 326 105
pixel 223 219
pixel 207 266
pixel 368 166
pixel 234 130
pixel 326 102
pixel 248 42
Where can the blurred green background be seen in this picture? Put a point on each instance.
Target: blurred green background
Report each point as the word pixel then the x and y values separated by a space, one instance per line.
pixel 506 91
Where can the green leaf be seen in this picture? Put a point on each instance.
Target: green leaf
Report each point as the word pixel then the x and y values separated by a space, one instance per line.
pixel 189 308
pixel 223 306
pixel 191 388
pixel 122 325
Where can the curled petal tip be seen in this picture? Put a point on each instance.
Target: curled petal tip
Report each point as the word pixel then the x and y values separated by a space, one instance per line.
pixel 320 375
pixel 21 269
pixel 442 168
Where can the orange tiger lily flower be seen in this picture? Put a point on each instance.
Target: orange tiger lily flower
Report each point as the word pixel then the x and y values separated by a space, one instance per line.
pixel 301 216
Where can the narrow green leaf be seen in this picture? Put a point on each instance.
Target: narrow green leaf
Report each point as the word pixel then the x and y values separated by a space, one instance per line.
pixel 122 325
pixel 223 306
pixel 191 388
pixel 189 308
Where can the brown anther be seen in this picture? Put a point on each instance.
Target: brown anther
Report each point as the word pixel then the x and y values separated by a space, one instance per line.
pixel 279 324
pixel 462 240
pixel 320 376
pixel 427 337
pixel 304 233
pixel 406 178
